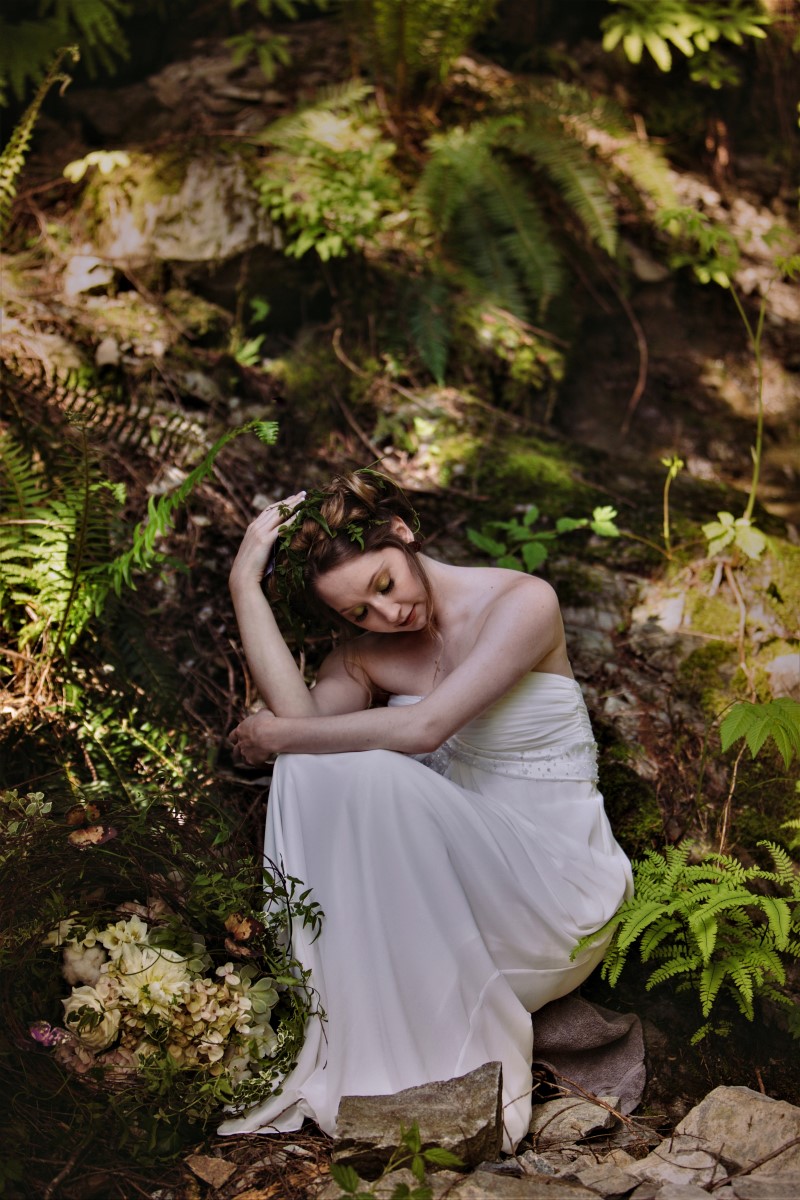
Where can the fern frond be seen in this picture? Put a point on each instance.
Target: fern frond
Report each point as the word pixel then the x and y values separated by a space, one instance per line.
pixel 680 965
pixel 637 918
pixel 785 866
pixel 651 941
pixel 160 513
pixel 427 312
pixel 779 917
pixel 704 929
pixel 575 175
pixel 12 158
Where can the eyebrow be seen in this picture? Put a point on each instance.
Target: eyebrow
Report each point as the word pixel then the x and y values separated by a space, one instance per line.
pixel 350 607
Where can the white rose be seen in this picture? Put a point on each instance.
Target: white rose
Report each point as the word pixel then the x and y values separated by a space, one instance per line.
pixel 82 966
pixel 98 1032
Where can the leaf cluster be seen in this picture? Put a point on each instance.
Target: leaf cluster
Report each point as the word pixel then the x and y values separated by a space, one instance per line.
pixel 524 548
pixel 690 26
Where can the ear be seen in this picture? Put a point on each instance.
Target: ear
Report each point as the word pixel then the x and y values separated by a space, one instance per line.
pixel 400 529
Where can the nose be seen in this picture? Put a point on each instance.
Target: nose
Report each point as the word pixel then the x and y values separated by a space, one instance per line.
pixel 387 609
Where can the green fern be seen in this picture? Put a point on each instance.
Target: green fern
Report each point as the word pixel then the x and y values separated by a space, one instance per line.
pixel 711 925
pixel 414 41
pixel 28 46
pixel 57 567
pixel 12 159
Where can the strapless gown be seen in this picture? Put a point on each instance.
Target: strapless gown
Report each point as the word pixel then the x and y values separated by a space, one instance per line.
pixel 452 901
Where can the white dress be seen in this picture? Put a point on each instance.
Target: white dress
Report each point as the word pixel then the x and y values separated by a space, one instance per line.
pixel 452 902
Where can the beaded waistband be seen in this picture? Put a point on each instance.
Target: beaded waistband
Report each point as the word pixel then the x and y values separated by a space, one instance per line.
pixel 574 762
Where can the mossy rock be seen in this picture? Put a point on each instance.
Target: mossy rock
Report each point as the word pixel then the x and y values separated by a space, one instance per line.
pixel 766 795
pixel 706 675
pixel 631 805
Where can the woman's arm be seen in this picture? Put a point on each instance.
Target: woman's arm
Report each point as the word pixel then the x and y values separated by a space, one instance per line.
pixel 523 627
pixel 274 671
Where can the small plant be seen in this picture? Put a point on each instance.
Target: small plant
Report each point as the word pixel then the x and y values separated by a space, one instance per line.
pixel 674 465
pixel 708 926
pixel 327 180
pixel 409 1154
pixel 524 548
pixel 777 719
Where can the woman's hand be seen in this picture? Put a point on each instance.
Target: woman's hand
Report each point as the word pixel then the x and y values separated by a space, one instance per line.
pixel 253 740
pixel 261 535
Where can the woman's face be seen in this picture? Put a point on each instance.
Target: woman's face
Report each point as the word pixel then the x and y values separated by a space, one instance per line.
pixel 378 591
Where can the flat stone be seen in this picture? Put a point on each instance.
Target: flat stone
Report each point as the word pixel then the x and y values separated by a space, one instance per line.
pixel 214 1171
pixel 677 1160
pixel 766 1187
pixel 741 1126
pixel 559 1122
pixel 462 1115
pixel 606 1179
pixel 485 1186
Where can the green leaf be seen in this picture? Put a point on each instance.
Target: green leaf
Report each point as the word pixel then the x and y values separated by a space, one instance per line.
pixel 567 524
pixel 602 522
pixel 749 539
pixel 510 563
pixel 442 1158
pixel 346 1178
pixel 659 50
pixel 531 515
pixel 486 544
pixel 534 554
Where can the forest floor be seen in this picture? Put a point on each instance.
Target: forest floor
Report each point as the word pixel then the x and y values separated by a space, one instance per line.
pixel 698 402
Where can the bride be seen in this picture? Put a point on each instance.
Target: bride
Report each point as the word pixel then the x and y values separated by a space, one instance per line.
pixel 452 901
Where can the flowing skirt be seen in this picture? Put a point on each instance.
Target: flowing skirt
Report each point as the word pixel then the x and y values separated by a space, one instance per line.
pixel 452 906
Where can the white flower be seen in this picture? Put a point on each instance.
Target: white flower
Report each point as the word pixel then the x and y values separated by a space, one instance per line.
pixel 61 935
pixel 116 937
pixel 151 978
pixel 86 1016
pixel 81 965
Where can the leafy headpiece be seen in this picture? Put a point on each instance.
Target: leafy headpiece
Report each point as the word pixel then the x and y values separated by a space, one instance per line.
pixel 287 567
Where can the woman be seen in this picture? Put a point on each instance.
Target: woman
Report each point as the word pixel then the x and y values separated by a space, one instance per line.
pixel 452 902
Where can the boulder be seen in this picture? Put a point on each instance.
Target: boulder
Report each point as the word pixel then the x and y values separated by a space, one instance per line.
pixel 678 1160
pixel 741 1126
pixel 195 210
pixel 559 1122
pixel 462 1115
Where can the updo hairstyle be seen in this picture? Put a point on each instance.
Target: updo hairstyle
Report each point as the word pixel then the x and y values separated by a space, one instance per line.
pixel 357 507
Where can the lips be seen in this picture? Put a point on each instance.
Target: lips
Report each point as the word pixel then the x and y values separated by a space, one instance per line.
pixel 409 618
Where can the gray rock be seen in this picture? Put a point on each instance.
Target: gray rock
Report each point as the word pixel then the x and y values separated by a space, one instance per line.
pixel 685 1191
pixel 741 1126
pixel 537 1164
pixel 559 1122
pixel 784 675
pixel 606 1179
pixel 483 1186
pixel 462 1115
pixel 767 1187
pixel 677 1160
pixel 207 213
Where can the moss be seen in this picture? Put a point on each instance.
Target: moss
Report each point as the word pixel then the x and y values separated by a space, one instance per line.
pixel 510 469
pixel 631 805
pixel 205 322
pixel 766 795
pixel 705 676
pixel 712 614
pixel 782 593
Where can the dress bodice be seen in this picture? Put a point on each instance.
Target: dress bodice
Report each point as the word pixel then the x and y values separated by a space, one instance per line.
pixel 540 729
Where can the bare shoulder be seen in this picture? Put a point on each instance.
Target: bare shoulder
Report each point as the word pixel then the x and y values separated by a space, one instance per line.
pixel 506 590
